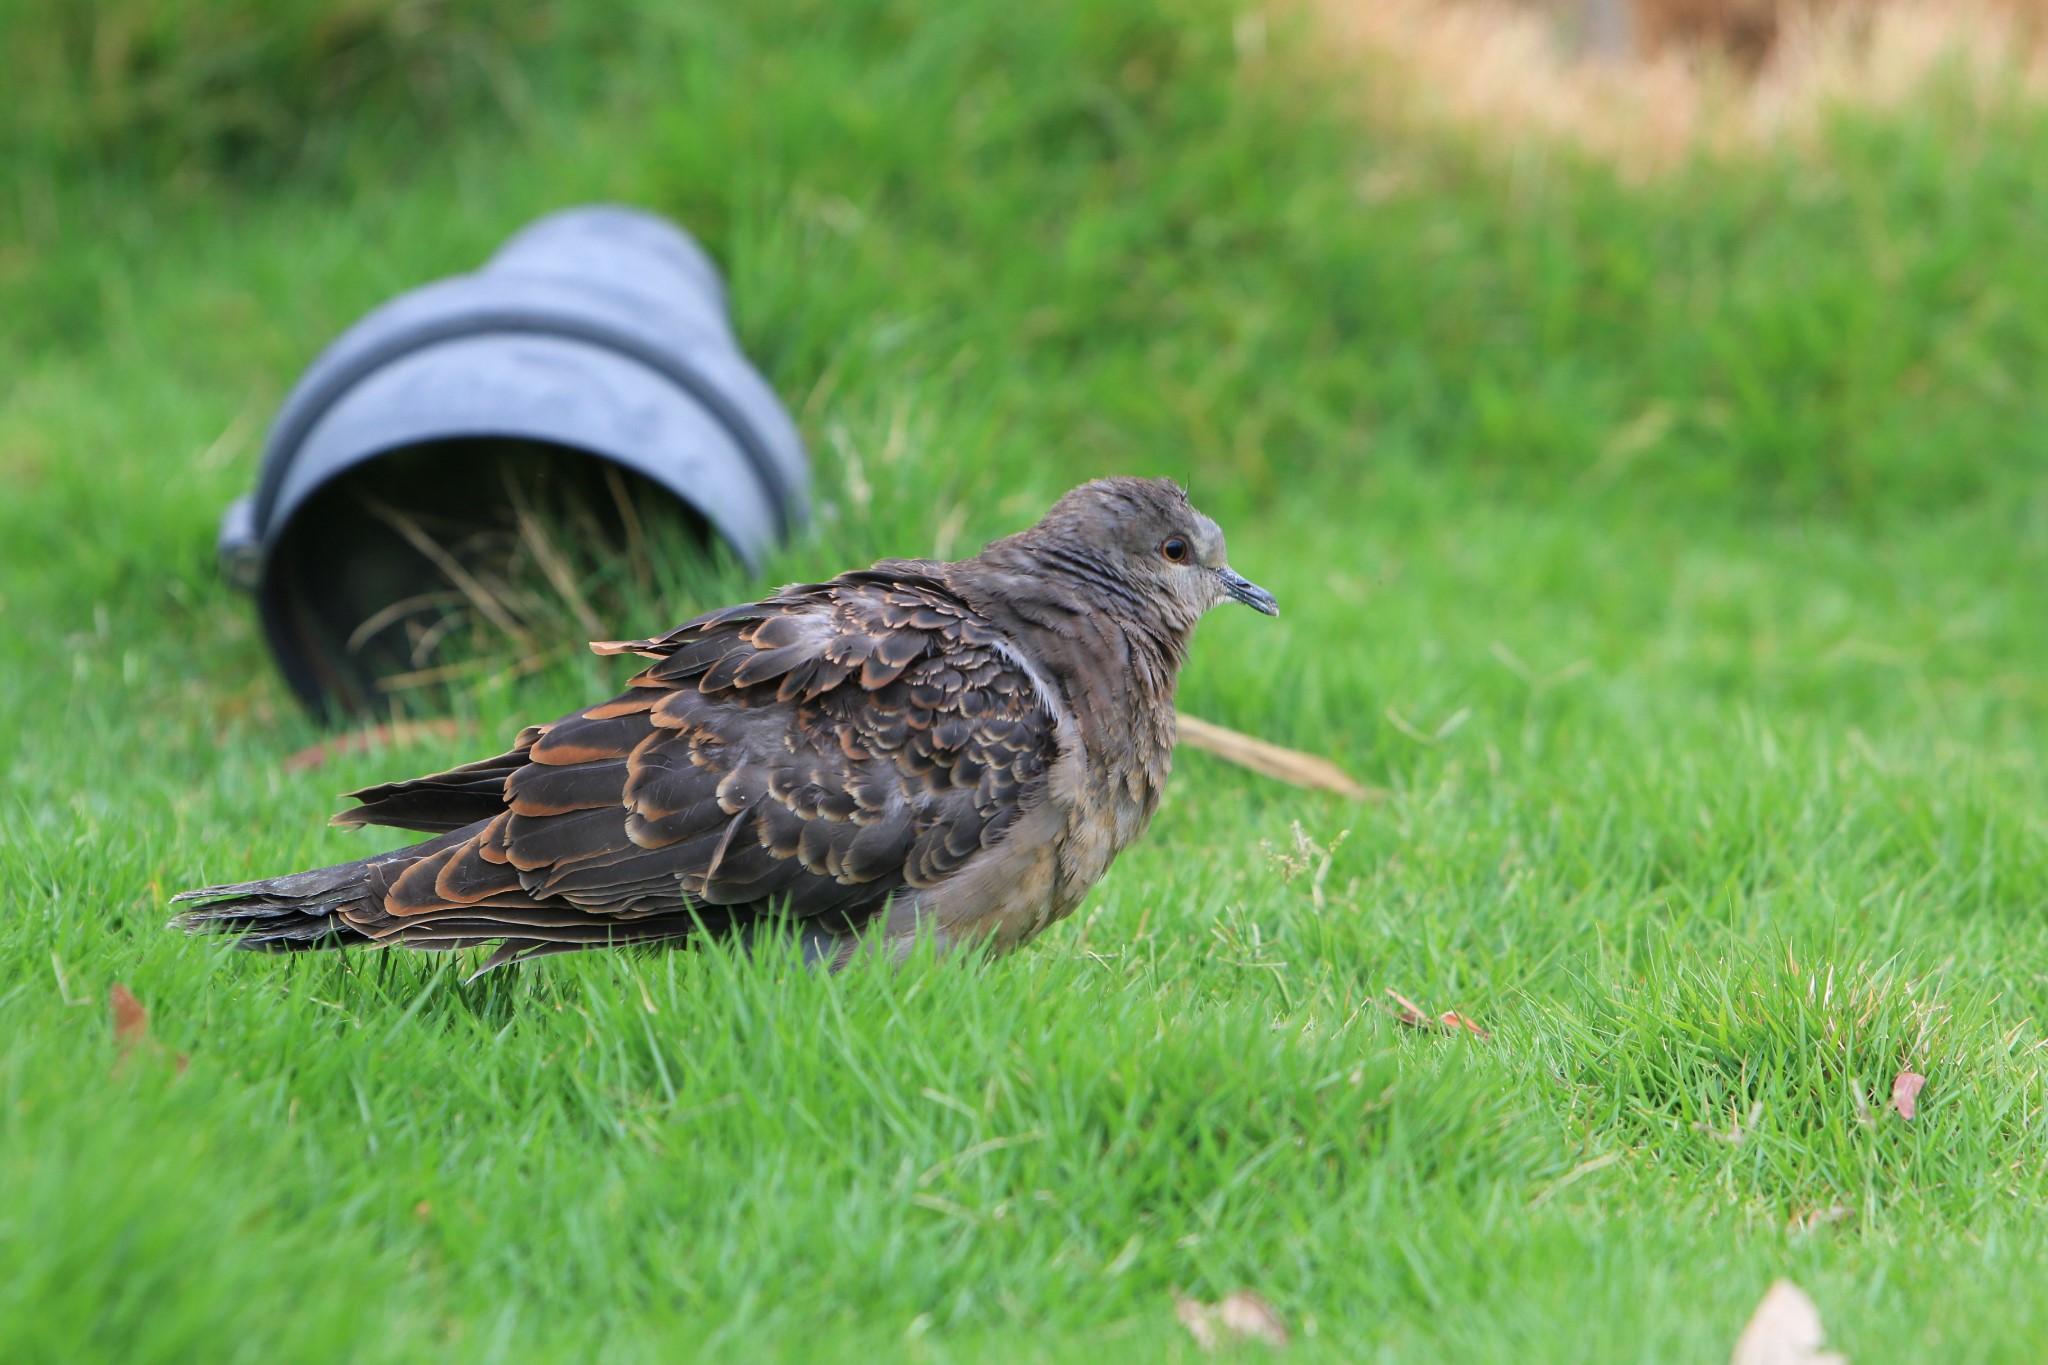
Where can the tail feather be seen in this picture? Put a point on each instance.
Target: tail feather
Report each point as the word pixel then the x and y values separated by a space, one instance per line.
pixel 435 805
pixel 300 910
pixel 281 914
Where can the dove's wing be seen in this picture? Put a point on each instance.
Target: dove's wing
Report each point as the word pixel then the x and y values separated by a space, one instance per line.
pixel 813 754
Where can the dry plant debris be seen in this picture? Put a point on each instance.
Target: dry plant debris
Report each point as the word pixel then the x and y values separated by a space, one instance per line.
pixel 555 551
pixel 1407 1012
pixel 1238 1316
pixel 131 1020
pixel 1906 1093
pixel 131 1027
pixel 1288 765
pixel 1784 1330
pixel 1713 77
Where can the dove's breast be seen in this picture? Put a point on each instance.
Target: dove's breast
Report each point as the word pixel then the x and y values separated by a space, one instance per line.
pixel 1046 863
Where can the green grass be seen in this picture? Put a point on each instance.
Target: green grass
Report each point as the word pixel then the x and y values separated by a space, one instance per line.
pixel 1674 555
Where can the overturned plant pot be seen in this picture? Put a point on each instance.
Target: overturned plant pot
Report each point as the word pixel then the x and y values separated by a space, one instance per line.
pixel 582 391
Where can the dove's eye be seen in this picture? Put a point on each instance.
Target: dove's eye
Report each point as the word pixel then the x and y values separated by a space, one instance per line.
pixel 1175 549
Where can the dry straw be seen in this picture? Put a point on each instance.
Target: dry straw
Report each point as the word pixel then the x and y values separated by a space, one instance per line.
pixel 1678 79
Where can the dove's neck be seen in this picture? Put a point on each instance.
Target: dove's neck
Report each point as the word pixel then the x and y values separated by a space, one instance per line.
pixel 1115 661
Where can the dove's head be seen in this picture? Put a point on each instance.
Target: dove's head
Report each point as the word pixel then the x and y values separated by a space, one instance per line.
pixel 1146 548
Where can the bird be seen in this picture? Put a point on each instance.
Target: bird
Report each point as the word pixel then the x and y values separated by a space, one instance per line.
pixel 954 749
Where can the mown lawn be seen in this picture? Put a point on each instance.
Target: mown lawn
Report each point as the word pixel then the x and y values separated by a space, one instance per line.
pixel 1672 555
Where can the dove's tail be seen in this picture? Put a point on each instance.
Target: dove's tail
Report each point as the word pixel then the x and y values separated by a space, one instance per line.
pixel 301 910
pixel 281 914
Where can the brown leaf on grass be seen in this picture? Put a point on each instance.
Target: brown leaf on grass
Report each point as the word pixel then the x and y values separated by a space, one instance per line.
pixel 392 736
pixel 1452 1021
pixel 1240 1316
pixel 1407 1012
pixel 1411 1015
pixel 1906 1092
pixel 131 1020
pixel 131 1027
pixel 1784 1330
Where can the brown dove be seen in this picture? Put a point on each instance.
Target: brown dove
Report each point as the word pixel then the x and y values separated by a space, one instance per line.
pixel 954 749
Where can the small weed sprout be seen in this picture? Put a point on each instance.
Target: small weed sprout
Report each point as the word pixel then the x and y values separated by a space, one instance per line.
pixel 1307 858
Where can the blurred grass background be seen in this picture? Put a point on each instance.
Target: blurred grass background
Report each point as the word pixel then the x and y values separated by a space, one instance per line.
pixel 212 91
pixel 1670 546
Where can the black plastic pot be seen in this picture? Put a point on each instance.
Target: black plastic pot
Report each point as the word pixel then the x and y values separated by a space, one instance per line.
pixel 592 349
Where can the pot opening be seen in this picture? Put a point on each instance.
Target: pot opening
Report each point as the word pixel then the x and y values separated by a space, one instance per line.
pixel 440 563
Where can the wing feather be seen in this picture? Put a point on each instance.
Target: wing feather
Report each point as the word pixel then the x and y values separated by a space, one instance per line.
pixel 811 755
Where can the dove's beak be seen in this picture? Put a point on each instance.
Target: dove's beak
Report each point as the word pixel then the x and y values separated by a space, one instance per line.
pixel 1251 594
